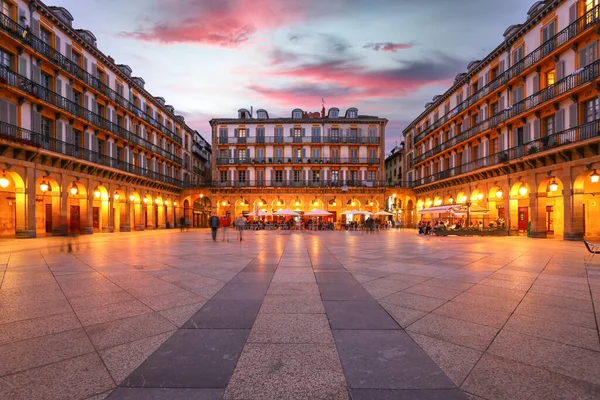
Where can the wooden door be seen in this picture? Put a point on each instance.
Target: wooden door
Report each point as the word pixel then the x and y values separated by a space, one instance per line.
pixel 75 221
pixel 96 217
pixel 523 218
pixel 48 218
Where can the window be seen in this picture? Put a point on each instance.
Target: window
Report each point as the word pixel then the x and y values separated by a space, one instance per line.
pixel 6 59
pixel 242 155
pixel 550 78
pixel 590 4
pixel 316 154
pixel 223 176
pixel 76 58
pixel 588 55
pixel 371 174
pixel 353 135
pixel 278 176
pixel 297 176
pixel 373 156
pixel 297 155
pixel 223 135
pixel 591 110
pixel 316 176
pixel 7 9
pixel 260 154
pixel 335 176
pixel 278 155
pixel 260 135
pixel 352 114
pixel 549 126
pixel 119 155
pixel 518 55
pixel 335 135
pixel 101 149
pixel 46 130
pixel 279 135
pixel 46 38
pixel 297 114
pixel 335 155
pixel 297 135
pixel 77 135
pixel 242 176
pixel 354 156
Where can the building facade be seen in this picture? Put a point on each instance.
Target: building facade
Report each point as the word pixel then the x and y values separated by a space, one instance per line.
pixel 327 161
pixel 518 132
pixel 82 143
pixel 394 166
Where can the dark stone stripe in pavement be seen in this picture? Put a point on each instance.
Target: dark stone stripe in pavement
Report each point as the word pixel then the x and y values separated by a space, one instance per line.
pixel 166 394
pixel 203 354
pixel 379 359
pixel 192 358
pixel 376 394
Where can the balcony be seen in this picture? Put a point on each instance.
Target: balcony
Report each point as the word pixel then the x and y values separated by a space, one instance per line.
pixel 375 140
pixel 30 88
pixel 39 46
pixel 546 144
pixel 302 160
pixel 590 19
pixel 299 183
pixel 561 88
pixel 24 136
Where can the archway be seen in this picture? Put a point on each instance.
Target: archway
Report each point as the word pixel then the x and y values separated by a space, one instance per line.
pixel 242 207
pixel 519 206
pixel 147 211
pixel 496 204
pixel 409 217
pixel 550 207
pixel 100 211
pixel 159 216
pixel 12 204
pixel 77 205
pixel 586 206
pixel 136 211
pixel 47 204
pixel 201 212
pixel 119 218
pixel 278 204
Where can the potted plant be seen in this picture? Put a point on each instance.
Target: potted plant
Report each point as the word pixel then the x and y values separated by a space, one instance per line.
pixel 270 160
pixel 532 150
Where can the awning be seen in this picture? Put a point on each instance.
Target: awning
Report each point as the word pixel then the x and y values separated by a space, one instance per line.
pixel 438 209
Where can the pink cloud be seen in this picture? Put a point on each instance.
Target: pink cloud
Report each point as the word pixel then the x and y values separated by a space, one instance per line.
pixel 225 23
pixel 388 46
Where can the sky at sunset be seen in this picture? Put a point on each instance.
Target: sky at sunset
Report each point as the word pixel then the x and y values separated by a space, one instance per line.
pixel 208 58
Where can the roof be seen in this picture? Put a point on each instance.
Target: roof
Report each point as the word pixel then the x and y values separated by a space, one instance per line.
pixel 287 120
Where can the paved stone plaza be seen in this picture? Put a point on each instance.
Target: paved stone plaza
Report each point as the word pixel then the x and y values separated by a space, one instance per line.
pixel 313 315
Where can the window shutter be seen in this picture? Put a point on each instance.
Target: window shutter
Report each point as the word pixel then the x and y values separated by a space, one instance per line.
pixel 94 106
pixel 85 64
pixel 235 132
pixel 291 131
pixel 114 116
pixel 69 92
pixel 303 132
pixel 526 132
pixel 592 54
pixel 501 104
pixel 501 67
pixel 22 66
pixel 560 120
pixel 86 137
pixel 573 13
pixel 480 83
pixel 582 57
pixel 58 131
pixel 468 91
pixel 69 137
pixel 35 73
pixel 536 129
pixel 573 115
pixel 536 83
pixel 69 52
pixel 94 140
pixel 559 70
pixel 87 101
pixel 57 45
pixel 515 138
pixel 36 27
pixel 58 87
pixel 347 132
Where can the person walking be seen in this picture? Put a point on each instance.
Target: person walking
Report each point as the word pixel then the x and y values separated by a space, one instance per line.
pixel 214 225
pixel 225 223
pixel 240 224
pixel 182 223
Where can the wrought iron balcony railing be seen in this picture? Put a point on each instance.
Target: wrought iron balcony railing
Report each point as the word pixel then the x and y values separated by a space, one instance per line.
pixel 25 36
pixel 36 90
pixel 39 140
pixel 294 160
pixel 565 85
pixel 573 135
pixel 301 139
pixel 575 29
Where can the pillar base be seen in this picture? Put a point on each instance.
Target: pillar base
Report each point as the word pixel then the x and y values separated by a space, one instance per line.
pixel 537 235
pixel 574 236
pixel 107 229
pixel 125 228
pixel 25 234
pixel 139 227
pixel 161 227
pixel 87 230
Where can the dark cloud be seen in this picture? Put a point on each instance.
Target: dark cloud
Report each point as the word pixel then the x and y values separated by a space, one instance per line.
pixel 388 46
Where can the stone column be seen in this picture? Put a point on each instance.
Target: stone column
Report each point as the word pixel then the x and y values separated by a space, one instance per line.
pixel 126 217
pixel 88 227
pixel 573 203
pixel 29 230
pixel 109 226
pixel 537 217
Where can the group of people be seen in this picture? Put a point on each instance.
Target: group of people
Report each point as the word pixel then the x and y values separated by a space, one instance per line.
pixel 425 227
pixel 225 223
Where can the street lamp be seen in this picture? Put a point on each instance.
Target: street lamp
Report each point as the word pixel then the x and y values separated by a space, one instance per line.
pixel 116 196
pixel 553 186
pixel 131 198
pixel 4 182
pixel 74 189
pixel 595 177
pixel 44 186
pixel 523 190
pixel 499 194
